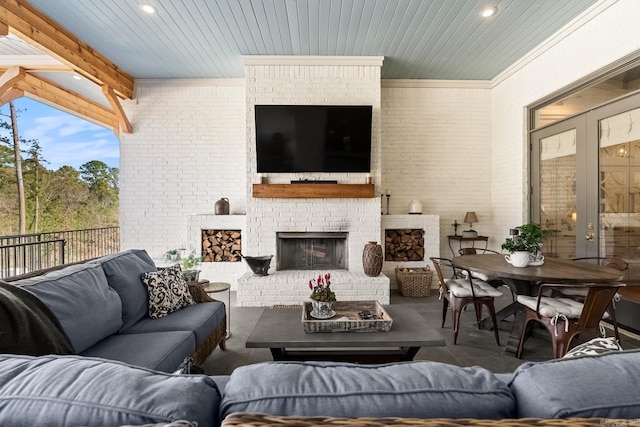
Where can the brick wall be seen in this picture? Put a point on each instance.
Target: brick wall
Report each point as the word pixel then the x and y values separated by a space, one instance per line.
pixel 187 151
pixel 606 35
pixel 437 149
pixel 454 146
pixel 333 84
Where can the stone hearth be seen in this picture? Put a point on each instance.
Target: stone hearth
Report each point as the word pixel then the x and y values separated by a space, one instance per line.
pixel 292 287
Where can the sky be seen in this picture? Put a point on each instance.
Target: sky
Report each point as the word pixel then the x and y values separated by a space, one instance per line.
pixel 66 140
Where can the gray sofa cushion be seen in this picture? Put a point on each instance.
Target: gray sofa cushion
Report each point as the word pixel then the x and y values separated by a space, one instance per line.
pixel 413 390
pixel 201 319
pixel 604 386
pixel 124 271
pixel 162 351
pixel 73 391
pixel 87 308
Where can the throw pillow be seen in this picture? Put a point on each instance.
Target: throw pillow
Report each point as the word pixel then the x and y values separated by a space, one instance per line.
pixel 594 347
pixel 168 291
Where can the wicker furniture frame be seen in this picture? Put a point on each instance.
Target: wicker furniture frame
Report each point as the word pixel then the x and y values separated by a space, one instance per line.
pixel 263 420
pixel 217 337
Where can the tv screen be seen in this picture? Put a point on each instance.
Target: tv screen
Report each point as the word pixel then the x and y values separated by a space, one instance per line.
pixel 313 138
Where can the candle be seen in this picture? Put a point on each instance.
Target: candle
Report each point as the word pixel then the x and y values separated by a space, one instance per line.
pixel 367 179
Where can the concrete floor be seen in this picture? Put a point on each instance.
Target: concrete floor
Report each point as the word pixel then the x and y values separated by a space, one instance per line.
pixel 474 347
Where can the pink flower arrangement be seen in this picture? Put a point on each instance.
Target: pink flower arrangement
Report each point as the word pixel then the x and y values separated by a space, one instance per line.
pixel 320 289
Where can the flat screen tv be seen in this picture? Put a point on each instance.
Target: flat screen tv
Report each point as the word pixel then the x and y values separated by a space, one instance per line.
pixel 313 138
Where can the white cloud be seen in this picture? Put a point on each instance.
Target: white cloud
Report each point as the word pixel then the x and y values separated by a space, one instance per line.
pixel 66 139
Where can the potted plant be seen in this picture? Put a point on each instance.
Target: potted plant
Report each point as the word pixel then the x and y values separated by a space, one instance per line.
pixel 322 297
pixel 172 254
pixel 190 265
pixel 529 241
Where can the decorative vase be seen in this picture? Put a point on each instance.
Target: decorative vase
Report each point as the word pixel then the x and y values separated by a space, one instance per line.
pixel 222 207
pixel 372 259
pixel 322 308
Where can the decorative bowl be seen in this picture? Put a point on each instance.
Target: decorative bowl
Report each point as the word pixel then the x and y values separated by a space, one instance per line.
pixel 259 265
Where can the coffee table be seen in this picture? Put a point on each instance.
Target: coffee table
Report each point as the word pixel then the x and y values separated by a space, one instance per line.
pixel 281 331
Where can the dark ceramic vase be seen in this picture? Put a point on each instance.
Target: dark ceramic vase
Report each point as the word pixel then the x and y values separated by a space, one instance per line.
pixel 372 259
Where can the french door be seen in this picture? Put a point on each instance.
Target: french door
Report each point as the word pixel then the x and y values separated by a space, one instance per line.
pixel 585 179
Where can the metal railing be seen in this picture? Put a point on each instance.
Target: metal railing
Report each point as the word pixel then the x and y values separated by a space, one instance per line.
pixel 23 253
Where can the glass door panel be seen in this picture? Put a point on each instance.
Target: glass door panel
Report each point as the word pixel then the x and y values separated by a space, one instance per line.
pixel 556 189
pixel 558 193
pixel 619 189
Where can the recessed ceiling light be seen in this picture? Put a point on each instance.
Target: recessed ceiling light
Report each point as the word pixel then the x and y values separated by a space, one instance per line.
pixel 77 77
pixel 488 11
pixel 147 8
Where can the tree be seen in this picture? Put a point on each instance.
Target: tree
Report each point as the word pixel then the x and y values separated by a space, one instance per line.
pixel 13 142
pixel 34 164
pixel 64 199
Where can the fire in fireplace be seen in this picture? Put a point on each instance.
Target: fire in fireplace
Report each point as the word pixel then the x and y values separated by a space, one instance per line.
pixel 311 251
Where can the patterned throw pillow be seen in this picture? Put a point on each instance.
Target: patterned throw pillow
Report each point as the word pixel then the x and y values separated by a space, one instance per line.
pixel 168 291
pixel 594 347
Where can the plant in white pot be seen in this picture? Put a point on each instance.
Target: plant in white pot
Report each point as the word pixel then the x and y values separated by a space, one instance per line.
pixel 190 265
pixel 322 297
pixel 526 246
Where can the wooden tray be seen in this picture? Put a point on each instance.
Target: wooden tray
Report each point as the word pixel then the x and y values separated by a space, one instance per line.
pixel 347 318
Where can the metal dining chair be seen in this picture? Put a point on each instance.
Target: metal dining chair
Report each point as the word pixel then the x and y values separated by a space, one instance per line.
pixel 492 280
pixel 563 317
pixel 580 293
pixel 459 291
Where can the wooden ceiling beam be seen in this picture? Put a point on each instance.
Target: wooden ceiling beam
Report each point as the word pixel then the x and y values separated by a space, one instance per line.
pixel 11 95
pixel 41 31
pixel 125 125
pixel 52 94
pixel 10 77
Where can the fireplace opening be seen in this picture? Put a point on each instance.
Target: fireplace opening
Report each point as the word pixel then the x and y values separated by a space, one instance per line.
pixel 311 251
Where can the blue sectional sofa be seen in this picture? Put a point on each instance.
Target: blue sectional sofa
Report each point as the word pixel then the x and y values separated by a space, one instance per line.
pixel 72 390
pixel 103 304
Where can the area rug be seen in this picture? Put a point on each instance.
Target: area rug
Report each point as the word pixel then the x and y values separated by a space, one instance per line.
pixel 287 306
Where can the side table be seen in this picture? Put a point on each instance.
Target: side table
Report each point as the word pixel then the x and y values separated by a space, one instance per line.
pixel 461 239
pixel 212 288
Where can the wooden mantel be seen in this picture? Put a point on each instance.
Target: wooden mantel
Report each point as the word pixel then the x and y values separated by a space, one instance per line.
pixel 313 191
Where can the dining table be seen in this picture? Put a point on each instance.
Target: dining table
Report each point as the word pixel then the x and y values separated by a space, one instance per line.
pixel 526 280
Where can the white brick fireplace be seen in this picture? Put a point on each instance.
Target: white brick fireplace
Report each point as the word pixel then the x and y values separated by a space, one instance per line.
pixel 312 81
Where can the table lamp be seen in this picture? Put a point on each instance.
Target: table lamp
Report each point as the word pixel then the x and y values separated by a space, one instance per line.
pixel 470 217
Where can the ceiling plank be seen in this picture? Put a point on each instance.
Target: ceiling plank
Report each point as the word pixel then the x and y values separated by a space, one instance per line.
pixel 4 29
pixel 33 62
pixel 125 125
pixel 52 94
pixel 39 30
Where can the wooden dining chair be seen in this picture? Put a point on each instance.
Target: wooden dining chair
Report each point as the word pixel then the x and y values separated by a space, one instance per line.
pixel 581 293
pixel 564 317
pixel 459 291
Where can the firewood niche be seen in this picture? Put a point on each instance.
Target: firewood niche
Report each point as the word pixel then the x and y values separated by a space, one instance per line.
pixel 221 245
pixel 404 245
